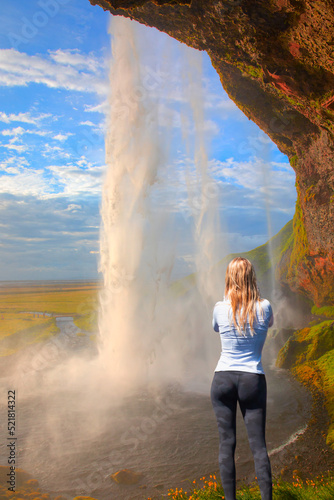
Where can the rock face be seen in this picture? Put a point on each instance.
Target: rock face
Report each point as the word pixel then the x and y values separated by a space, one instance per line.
pixel 275 59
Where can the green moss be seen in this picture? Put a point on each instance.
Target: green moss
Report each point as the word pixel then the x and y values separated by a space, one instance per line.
pixel 307 344
pixel 310 194
pixel 327 311
pixel 298 243
pixel 293 349
pixel 326 365
pixel 309 353
pixel 293 161
pixel 320 339
pixel 291 100
pixel 253 71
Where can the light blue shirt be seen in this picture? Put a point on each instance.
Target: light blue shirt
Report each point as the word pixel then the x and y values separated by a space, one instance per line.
pixel 241 351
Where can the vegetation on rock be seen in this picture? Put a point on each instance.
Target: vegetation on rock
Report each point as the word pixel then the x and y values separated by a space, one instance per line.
pixel 309 354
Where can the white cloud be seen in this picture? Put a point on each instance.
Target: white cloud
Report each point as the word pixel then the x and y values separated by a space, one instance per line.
pixel 26 182
pixel 14 131
pixel 233 185
pixel 103 107
pixel 20 69
pixel 75 180
pixel 73 208
pixel 54 152
pixel 13 164
pixel 52 182
pixel 18 131
pixel 62 137
pixel 23 117
pixel 8 169
pixel 263 182
pixel 15 147
pixel 88 123
pixel 72 57
pixel 211 127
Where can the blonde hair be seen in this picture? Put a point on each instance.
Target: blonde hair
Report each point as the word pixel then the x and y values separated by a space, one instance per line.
pixel 242 291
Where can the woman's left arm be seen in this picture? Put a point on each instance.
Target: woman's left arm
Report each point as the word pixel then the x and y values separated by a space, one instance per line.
pixel 214 322
pixel 271 321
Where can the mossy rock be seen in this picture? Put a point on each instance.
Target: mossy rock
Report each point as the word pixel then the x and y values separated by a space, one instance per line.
pixel 327 311
pixel 309 353
pixel 321 339
pixel 309 374
pixel 292 350
pixel 126 476
pixel 307 344
pixel 330 436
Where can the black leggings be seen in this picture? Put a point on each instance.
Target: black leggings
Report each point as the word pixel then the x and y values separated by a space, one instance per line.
pixel 250 389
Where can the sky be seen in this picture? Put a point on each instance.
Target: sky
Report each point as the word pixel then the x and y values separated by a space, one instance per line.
pixel 54 83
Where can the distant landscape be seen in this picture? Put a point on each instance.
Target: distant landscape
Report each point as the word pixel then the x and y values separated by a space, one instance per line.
pixel 28 310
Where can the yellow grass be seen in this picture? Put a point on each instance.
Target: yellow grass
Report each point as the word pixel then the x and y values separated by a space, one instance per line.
pixel 13 322
pixel 72 301
pixel 20 325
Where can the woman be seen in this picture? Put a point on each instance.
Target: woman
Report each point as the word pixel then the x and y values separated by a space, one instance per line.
pixel 242 320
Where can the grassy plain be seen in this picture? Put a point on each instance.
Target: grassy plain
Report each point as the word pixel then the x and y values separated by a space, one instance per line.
pixel 28 311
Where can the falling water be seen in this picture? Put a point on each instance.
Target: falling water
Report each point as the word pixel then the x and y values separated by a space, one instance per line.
pixel 147 332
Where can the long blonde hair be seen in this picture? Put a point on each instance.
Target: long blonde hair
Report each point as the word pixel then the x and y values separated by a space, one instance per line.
pixel 242 291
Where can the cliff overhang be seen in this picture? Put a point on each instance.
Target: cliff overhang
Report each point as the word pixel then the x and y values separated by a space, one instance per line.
pixel 275 59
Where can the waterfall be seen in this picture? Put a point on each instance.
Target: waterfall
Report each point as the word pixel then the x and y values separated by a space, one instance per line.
pixel 148 333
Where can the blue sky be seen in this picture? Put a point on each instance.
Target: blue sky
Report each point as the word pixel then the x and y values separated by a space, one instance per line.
pixel 54 66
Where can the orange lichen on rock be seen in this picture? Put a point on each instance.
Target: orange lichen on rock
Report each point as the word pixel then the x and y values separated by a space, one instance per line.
pixel 295 49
